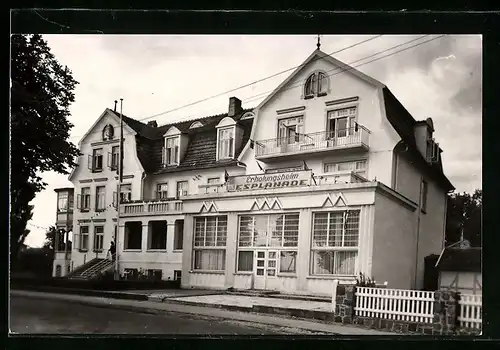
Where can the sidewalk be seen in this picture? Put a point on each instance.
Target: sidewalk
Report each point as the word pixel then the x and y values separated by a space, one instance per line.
pixel 167 306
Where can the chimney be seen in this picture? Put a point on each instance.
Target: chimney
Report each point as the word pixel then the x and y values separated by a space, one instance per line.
pixel 115 105
pixel 234 106
pixel 153 124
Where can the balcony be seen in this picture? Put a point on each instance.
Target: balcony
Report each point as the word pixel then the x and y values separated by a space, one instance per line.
pixel 353 138
pixel 156 207
pixel 347 177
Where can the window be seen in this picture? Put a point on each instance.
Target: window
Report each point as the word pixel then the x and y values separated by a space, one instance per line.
pixel 133 235
pixel 245 261
pixel 196 125
pixel 162 191
pixel 100 195
pixel 316 85
pixel 108 132
pixel 171 155
pixel 155 274
pixel 290 130
pixel 178 234
pixel 125 193
pixel 213 180
pixel 177 275
pixel 98 238
pixel 182 188
pixel 342 122
pixel 97 159
pixel 280 230
pixel 358 166
pixel 157 238
pixel 84 200
pixel 423 200
pixel 226 143
pixel 210 235
pixel 115 157
pixel 288 261
pixel 71 202
pixel 84 238
pixel 62 201
pixel 335 243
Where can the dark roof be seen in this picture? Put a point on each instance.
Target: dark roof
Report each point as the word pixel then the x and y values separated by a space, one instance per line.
pixel 403 122
pixel 463 260
pixel 201 149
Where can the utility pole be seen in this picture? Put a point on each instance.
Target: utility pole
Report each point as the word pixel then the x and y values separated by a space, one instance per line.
pixel 118 194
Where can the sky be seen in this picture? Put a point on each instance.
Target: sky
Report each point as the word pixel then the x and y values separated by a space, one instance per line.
pixel 153 74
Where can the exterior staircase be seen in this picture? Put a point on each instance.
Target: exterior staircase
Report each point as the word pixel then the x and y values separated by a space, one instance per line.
pixel 92 269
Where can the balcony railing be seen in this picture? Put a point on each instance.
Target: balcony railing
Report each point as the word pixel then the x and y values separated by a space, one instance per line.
pixel 151 207
pixel 320 141
pixel 347 177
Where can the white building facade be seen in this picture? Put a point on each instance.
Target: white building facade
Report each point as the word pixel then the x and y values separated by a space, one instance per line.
pixel 327 178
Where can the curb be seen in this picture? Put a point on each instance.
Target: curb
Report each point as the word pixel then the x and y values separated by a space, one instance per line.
pixel 88 292
pixel 262 309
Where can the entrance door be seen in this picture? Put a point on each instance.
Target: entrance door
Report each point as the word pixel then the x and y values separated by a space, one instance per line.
pixel 265 267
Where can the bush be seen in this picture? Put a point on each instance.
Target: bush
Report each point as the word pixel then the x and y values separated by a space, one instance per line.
pixel 364 281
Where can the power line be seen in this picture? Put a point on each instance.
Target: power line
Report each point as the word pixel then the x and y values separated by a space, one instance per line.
pixel 254 82
pixel 256 97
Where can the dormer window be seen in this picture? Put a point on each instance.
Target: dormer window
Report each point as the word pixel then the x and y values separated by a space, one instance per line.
pixel 316 85
pixel 171 151
pixel 226 143
pixel 195 125
pixel 108 133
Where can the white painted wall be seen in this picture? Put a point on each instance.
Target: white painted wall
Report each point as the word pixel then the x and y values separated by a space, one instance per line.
pixel 394 244
pixel 132 174
pixel 383 138
pixel 432 223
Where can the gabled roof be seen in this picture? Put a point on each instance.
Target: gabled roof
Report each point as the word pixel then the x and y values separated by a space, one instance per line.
pixel 318 54
pixel 404 124
pixel 462 260
pixel 201 150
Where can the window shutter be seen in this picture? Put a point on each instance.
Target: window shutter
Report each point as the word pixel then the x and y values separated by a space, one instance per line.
pixel 90 161
pixel 79 201
pixel 115 199
pixel 163 156
pixel 110 160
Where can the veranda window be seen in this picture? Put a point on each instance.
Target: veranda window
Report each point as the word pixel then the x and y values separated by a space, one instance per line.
pixel 210 235
pixel 280 231
pixel 335 243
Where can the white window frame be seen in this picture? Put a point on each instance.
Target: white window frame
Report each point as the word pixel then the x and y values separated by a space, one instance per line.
pixel 210 180
pixel 212 247
pixel 161 194
pixel 230 142
pixel 97 199
pixel 98 238
pixel 80 239
pixel 352 120
pixel 85 199
pixel 176 150
pixel 180 191
pixel 335 249
pixel 95 156
pixel 354 167
pixel 125 193
pixel 316 87
pixel 282 128
pixel 62 197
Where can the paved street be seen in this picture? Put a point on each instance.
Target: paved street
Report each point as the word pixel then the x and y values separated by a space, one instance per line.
pixel 30 315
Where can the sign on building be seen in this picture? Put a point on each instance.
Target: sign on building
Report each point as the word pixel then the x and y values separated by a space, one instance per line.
pixel 269 181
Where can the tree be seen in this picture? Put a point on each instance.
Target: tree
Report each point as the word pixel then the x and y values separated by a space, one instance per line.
pixel 464 212
pixel 41 94
pixel 50 238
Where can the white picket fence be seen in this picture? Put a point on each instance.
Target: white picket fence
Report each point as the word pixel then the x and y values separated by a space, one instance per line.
pixel 471 309
pixel 395 304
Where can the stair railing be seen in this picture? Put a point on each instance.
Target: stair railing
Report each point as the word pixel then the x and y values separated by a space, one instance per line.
pixel 105 263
